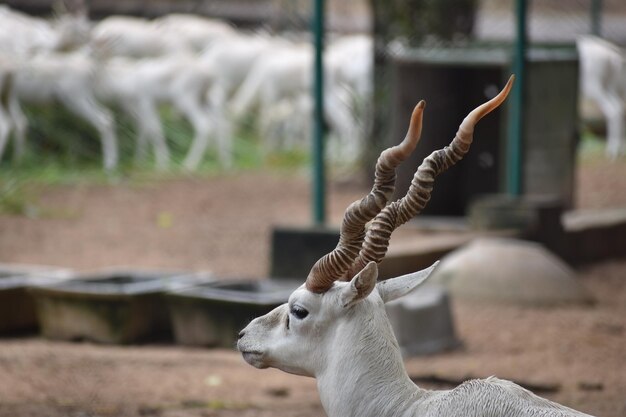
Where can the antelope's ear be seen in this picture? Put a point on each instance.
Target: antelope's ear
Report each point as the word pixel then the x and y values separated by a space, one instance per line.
pixel 397 287
pixel 361 285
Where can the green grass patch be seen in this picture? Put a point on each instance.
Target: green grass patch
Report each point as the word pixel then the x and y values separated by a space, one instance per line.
pixel 64 149
pixel 21 198
pixel 591 145
pixel 15 198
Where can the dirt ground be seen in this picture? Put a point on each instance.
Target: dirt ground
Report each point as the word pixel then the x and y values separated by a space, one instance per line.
pixel 574 355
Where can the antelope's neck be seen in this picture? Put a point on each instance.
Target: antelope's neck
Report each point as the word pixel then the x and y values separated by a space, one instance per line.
pixel 370 381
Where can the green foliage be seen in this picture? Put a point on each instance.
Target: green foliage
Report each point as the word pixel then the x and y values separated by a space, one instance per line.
pixel 415 20
pixel 14 198
pixel 591 145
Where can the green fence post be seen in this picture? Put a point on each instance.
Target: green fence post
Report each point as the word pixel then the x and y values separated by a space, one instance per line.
pixel 596 17
pixel 515 128
pixel 319 180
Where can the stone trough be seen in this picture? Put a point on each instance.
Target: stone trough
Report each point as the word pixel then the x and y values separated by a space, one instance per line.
pixel 116 306
pixel 17 307
pixel 213 313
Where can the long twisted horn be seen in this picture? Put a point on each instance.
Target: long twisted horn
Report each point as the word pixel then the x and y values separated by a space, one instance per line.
pixel 352 233
pixel 399 212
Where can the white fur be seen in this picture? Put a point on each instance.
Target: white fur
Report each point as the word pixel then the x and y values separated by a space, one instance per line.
pixel 22 35
pixel 283 78
pixel 196 31
pixel 34 67
pixel 347 344
pixel 61 78
pixel 229 62
pixel 277 79
pixel 139 86
pixel 603 79
pixel 135 37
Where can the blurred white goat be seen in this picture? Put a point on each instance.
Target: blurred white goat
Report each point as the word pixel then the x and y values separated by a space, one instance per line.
pixel 67 79
pixel 169 72
pixel 30 55
pixel 137 87
pixel 167 35
pixel 603 79
pixel 283 78
pixel 279 78
pixel 140 64
pixel 134 37
pixel 350 61
pixel 22 35
pixel 140 86
pixel 226 63
pixel 196 31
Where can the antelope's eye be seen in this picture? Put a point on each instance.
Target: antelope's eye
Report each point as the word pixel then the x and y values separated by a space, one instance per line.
pixel 298 312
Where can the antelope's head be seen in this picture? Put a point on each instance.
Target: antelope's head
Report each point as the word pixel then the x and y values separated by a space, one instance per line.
pixel 341 306
pixel 72 24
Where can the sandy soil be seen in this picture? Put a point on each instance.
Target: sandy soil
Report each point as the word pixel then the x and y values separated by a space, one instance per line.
pixel 574 355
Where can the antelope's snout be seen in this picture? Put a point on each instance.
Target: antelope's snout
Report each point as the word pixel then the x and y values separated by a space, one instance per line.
pixel 253 340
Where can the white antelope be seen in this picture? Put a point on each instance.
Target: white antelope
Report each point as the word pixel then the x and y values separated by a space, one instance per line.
pixel 334 327
pixel 136 38
pixel 22 35
pixel 227 64
pixel 138 86
pixel 197 31
pixel 67 79
pixel 282 80
pixel 603 79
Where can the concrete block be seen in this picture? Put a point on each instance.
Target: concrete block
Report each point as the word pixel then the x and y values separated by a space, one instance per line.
pixel 595 235
pixel 536 218
pixel 422 321
pixel 295 250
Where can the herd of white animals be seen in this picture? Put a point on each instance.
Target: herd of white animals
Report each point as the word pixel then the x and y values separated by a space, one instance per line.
pixel 215 76
pixel 205 69
pixel 334 327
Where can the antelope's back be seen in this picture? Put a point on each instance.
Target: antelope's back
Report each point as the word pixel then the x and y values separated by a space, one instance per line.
pixel 492 397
